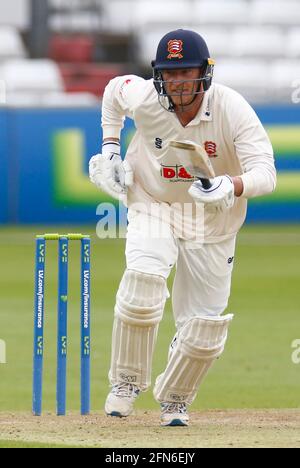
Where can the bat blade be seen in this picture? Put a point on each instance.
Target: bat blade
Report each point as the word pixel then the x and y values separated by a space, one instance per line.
pixel 194 158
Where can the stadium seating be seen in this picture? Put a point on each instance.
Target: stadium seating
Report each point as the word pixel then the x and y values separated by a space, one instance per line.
pixel 219 12
pixel 83 22
pixel 145 49
pixel 277 12
pixel 15 13
pixel 258 42
pixel 69 100
pixel 249 77
pixel 92 78
pixel 283 73
pixel 11 45
pixel 254 42
pixel 119 16
pixel 75 15
pixel 293 43
pixel 38 76
pixel 220 40
pixel 175 12
pixel 50 100
pixel 75 49
pixel 39 83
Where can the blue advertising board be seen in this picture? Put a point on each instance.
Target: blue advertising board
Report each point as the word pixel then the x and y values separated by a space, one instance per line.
pixel 35 131
pixel 283 126
pixel 48 153
pixel 44 156
pixel 4 174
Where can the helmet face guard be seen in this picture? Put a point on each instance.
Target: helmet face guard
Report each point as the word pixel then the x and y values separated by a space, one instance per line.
pixel 200 86
pixel 182 49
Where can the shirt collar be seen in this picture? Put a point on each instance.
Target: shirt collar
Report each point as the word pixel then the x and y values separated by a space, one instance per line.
pixel 205 112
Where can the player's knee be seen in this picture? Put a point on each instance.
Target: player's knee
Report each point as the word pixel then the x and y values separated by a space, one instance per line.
pixel 204 337
pixel 141 298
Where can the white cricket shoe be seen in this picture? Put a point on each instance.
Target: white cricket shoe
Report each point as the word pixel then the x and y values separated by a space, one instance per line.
pixel 120 400
pixel 174 414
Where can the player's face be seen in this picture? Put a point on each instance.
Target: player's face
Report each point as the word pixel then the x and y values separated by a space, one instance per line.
pixel 181 85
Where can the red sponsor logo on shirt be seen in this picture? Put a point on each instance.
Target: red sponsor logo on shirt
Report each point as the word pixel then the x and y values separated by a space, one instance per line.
pixel 211 149
pixel 176 173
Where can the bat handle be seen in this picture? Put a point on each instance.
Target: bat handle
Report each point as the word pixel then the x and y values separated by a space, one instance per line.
pixel 206 183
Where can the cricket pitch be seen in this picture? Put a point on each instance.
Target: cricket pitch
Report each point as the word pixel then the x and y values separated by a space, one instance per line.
pixel 231 429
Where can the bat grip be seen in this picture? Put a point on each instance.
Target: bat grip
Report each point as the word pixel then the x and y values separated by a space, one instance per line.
pixel 206 183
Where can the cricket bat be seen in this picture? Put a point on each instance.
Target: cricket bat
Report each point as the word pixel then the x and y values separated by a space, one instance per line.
pixel 195 160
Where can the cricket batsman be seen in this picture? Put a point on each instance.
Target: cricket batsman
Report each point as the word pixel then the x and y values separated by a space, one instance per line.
pixel 180 103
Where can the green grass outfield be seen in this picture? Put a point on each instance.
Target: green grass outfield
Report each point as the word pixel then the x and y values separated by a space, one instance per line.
pixel 256 370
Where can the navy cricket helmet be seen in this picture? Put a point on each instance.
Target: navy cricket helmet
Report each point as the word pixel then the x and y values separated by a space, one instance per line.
pixel 178 50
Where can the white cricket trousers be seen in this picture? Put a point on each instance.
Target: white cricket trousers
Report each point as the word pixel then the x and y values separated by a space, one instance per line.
pixel 203 272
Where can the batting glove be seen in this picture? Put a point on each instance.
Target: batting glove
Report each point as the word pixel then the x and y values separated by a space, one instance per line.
pixel 218 198
pixel 109 173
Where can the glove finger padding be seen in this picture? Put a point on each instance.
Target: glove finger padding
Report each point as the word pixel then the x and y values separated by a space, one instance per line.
pixel 123 174
pixel 95 168
pixel 112 168
pixel 98 178
pixel 110 174
pixel 107 188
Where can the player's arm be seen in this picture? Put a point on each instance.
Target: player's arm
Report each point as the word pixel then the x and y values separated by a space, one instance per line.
pixel 254 150
pixel 107 170
pixel 238 186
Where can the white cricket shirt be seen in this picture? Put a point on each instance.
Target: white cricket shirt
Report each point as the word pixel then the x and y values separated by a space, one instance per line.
pixel 226 126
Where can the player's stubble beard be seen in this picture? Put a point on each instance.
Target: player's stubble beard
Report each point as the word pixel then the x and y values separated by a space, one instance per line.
pixel 187 109
pixel 186 103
